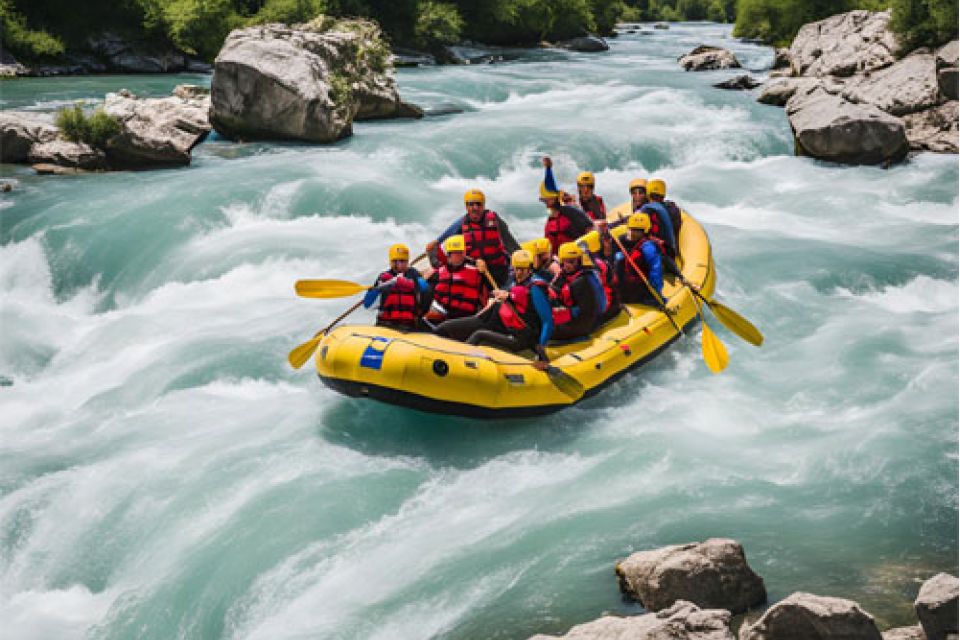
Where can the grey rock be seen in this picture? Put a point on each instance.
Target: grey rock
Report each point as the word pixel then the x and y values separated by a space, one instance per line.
pixel 9 67
pixel 844 44
pixel 64 153
pixel 198 66
pixel 412 58
pixel 804 616
pixel 905 633
pixel 20 130
pixel 682 621
pixel 56 170
pixel 661 25
pixel 155 131
pixel 947 55
pixel 934 129
pixel 779 91
pixel 444 109
pixel 708 58
pixel 185 92
pixel 739 83
pixel 947 81
pixel 588 44
pixel 711 574
pixel 936 606
pixel 828 127
pixel 907 86
pixel 782 59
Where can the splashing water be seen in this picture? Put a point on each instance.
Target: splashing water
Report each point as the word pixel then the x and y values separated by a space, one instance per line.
pixel 162 471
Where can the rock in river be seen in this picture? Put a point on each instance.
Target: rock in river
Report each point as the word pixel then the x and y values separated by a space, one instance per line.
pixel 907 86
pixel 587 44
pixel 63 153
pixel 20 130
pixel 804 616
pixel 936 606
pixel 739 83
pixel 844 44
pixel 712 574
pixel 682 621
pixel 708 58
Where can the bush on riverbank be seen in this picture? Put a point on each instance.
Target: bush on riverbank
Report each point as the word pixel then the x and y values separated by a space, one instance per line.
pixel 676 10
pixel 94 129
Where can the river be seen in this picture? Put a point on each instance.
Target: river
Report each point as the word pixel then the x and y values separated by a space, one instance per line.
pixel 163 472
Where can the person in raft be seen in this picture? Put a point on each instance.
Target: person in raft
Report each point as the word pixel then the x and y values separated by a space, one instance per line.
pixel 600 255
pixel 565 222
pixel 638 194
pixel 458 287
pixel 590 202
pixel 664 224
pixel 543 263
pixel 579 292
pixel 519 317
pixel 400 289
pixel 487 236
pixel 644 249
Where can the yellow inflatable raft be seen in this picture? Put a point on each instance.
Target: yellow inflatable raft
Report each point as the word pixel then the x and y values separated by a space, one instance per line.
pixel 430 373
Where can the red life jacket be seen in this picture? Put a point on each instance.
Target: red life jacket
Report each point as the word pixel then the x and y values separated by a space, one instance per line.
pixel 608 279
pixel 520 297
pixel 636 255
pixel 558 231
pixel 594 207
pixel 459 291
pixel 483 239
pixel 399 304
pixel 562 315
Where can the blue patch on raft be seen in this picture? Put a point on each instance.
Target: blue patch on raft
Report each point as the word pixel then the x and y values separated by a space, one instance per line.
pixel 372 357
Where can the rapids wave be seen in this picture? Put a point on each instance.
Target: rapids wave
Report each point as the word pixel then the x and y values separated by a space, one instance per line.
pixel 163 472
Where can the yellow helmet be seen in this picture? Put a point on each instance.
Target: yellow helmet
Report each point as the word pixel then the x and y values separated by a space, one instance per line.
pixel 530 246
pixel 586 178
pixel 639 221
pixel 543 246
pixel 592 240
pixel 474 195
pixel 657 188
pixel 454 243
pixel 570 251
pixel 399 252
pixel 521 259
pixel 546 193
pixel 638 183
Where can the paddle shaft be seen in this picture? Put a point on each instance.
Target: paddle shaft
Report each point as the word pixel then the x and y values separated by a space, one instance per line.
pixel 656 296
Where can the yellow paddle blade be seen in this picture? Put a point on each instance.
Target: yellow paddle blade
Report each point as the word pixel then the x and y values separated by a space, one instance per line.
pixel 327 288
pixel 736 323
pixel 567 384
pixel 714 353
pixel 299 356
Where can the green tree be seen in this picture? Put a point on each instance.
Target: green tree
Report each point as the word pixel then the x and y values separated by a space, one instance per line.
pixel 199 26
pixel 22 41
pixel 924 22
pixel 286 11
pixel 438 23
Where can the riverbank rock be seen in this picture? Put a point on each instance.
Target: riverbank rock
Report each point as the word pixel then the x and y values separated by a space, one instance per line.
pixel 907 86
pixel 804 616
pixel 63 153
pixel 782 60
pixel 156 131
pixel 844 44
pixel 9 67
pixel 779 91
pixel 905 633
pixel 586 44
pixel 828 127
pixel 708 58
pixel 306 82
pixel 739 83
pixel 20 130
pixel 947 70
pixel 934 129
pixel 682 621
pixel 936 606
pixel 712 574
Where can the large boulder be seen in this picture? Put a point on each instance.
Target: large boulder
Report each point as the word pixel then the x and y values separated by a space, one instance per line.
pixel 778 92
pixel 828 127
pixel 587 44
pixel 934 129
pixel 905 633
pixel 682 621
pixel 708 58
pixel 907 86
pixel 804 616
pixel 712 574
pixel 936 606
pixel 307 82
pixel 156 131
pixel 64 153
pixel 20 130
pixel 947 70
pixel 844 44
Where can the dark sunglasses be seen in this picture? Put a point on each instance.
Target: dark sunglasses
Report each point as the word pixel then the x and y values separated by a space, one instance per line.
pixel 474 204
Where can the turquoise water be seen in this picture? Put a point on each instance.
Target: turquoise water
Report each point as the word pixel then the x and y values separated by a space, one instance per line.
pixel 163 472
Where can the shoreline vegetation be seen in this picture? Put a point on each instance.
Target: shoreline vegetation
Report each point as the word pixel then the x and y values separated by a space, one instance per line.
pixel 50 33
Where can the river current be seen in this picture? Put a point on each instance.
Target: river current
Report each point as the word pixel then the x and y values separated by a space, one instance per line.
pixel 164 473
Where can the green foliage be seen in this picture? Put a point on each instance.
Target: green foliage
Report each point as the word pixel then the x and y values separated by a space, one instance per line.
pixel 94 129
pixel 199 26
pixel 341 90
pixel 777 21
pixel 288 11
pixel 24 42
pixel 676 10
pixel 924 22
pixel 437 23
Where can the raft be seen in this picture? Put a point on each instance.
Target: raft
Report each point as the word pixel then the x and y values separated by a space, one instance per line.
pixel 426 372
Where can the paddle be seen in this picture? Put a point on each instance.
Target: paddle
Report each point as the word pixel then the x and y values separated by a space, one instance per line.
pixel 714 353
pixel 564 382
pixel 327 288
pixel 656 296
pixel 736 323
pixel 300 354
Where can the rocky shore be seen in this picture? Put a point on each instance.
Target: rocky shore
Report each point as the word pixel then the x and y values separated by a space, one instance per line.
pixel 692 592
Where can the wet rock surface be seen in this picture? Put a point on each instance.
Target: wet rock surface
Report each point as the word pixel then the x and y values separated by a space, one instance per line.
pixel 708 58
pixel 936 606
pixel 682 621
pixel 804 616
